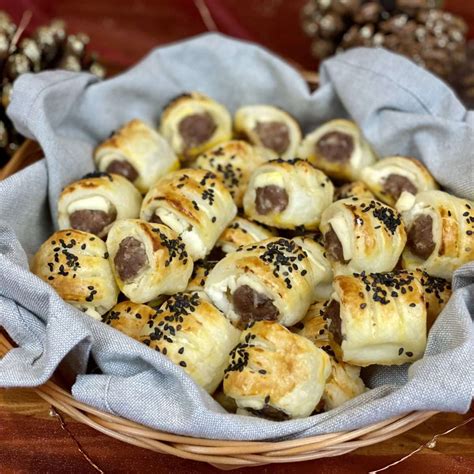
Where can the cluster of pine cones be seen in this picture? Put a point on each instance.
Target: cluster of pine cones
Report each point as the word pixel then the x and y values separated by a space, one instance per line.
pixel 49 47
pixel 433 38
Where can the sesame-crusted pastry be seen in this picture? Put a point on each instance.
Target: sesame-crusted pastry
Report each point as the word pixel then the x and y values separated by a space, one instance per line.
pixel 195 335
pixel 233 162
pixel 440 230
pixel 201 271
pixel 362 234
pixel 242 232
pixel 96 201
pixel 270 280
pixel 275 374
pixel 192 123
pixel 137 152
pixel 129 317
pixel 195 204
pixel 148 260
pixel 355 189
pixel 389 177
pixel 268 127
pixel 378 318
pixel 76 265
pixel 288 194
pixel 339 149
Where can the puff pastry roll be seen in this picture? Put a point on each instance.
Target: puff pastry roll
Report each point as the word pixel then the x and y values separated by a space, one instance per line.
pixel 389 177
pixel 339 149
pixel 440 231
pixel 242 232
pixel 96 201
pixel 148 260
pixel 356 189
pixel 129 317
pixel 76 265
pixel 195 335
pixel 193 123
pixel 288 194
pixel 136 152
pixel 362 234
pixel 276 374
pixel 233 162
pixel 201 271
pixel 269 127
pixel 271 280
pixel 195 204
pixel 378 318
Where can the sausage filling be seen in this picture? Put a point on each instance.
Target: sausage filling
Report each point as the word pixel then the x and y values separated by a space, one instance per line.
pixel 396 184
pixel 420 237
pixel 273 135
pixel 130 259
pixel 196 129
pixel 253 306
pixel 271 199
pixel 333 313
pixel 333 246
pixel 92 221
pixel 336 147
pixel 123 168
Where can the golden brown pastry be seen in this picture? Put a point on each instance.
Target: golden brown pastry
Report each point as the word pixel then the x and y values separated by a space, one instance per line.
pixel 195 204
pixel 148 260
pixel 129 317
pixel 355 189
pixel 201 271
pixel 378 318
pixel 276 374
pixel 440 230
pixel 362 234
pixel 96 201
pixel 192 123
pixel 269 127
pixel 242 232
pixel 76 265
pixel 339 149
pixel 136 152
pixel 389 177
pixel 288 194
pixel 195 335
pixel 271 280
pixel 233 162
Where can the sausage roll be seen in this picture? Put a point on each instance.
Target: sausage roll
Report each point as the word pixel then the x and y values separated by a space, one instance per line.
pixel 76 265
pixel 362 234
pixel 378 318
pixel 389 177
pixel 269 127
pixel 242 232
pixel 339 149
pixel 288 194
pixel 440 231
pixel 195 204
pixel 356 189
pixel 129 318
pixel 233 162
pixel 201 271
pixel 270 280
pixel 195 335
pixel 138 153
pixel 193 123
pixel 96 201
pixel 275 374
pixel 148 260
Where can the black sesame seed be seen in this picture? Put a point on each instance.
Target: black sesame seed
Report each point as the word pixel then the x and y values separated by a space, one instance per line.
pixel 409 354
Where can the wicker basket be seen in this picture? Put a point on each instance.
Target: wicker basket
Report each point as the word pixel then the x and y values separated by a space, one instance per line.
pixel 221 454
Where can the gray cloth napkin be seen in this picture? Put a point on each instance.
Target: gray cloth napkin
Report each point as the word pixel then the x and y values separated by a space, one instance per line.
pixel 401 108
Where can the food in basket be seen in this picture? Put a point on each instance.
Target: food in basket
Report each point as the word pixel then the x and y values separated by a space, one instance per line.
pixel 96 201
pixel 248 268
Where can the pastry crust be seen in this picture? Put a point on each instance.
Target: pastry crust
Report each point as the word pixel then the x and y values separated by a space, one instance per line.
pixel 165 264
pixel 195 335
pixel 390 176
pixel 382 318
pixel 276 374
pixel 339 149
pixel 269 127
pixel 370 236
pixel 356 189
pixel 108 193
pixel 233 162
pixel 452 232
pixel 288 194
pixel 195 204
pixel 76 265
pixel 219 126
pixel 129 317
